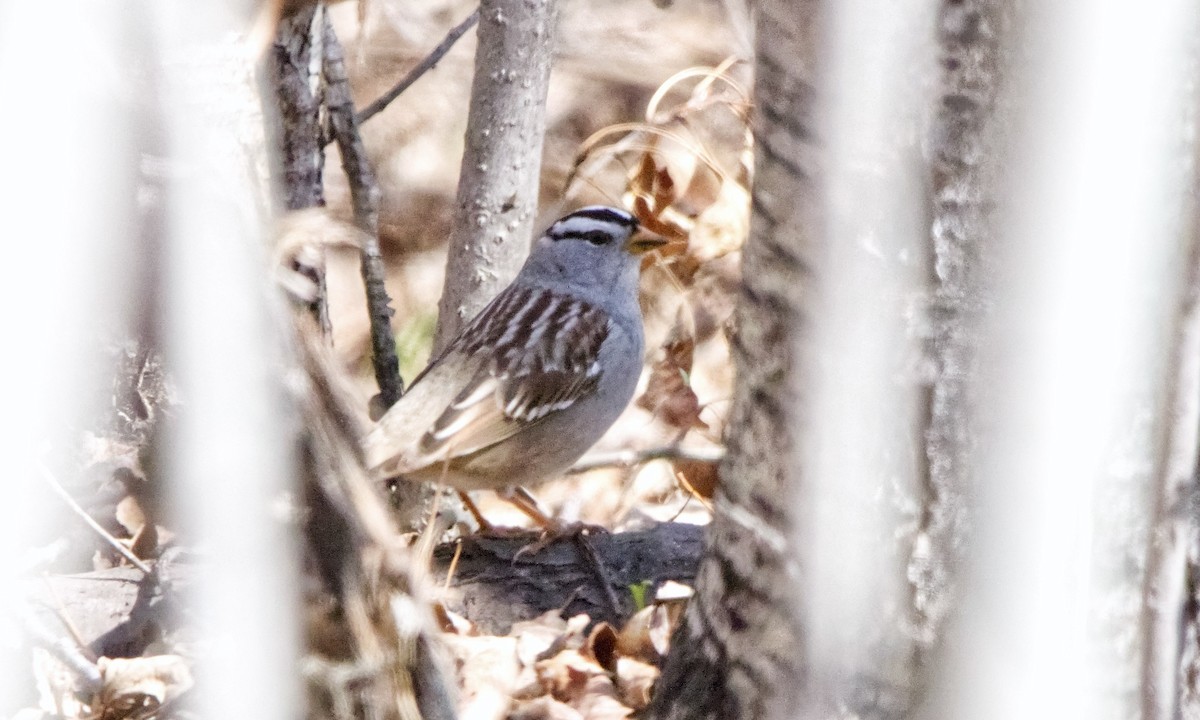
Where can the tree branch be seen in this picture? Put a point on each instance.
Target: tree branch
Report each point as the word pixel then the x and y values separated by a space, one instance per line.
pixel 364 194
pixel 431 60
pixel 629 458
pixel 296 81
pixel 106 536
pixel 297 105
pixel 1164 590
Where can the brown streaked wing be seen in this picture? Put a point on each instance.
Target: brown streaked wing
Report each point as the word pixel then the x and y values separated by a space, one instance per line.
pixel 543 349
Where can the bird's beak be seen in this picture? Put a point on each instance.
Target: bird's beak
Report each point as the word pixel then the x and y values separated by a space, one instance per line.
pixel 640 243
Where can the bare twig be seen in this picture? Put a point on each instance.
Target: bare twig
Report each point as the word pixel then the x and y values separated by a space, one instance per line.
pixel 66 652
pixel 364 195
pixel 1165 593
pixel 431 60
pixel 107 537
pixel 598 570
pixel 629 458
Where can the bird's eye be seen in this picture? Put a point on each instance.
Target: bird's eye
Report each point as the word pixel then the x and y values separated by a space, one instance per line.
pixel 596 237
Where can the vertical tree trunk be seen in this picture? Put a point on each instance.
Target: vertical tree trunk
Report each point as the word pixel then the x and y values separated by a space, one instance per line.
pixel 861 443
pixel 1088 273
pixel 229 449
pixel 501 165
pixel 739 652
pixel 963 183
pixel 1170 623
pixel 291 71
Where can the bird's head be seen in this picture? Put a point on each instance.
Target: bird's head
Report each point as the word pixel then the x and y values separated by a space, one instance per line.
pixel 595 245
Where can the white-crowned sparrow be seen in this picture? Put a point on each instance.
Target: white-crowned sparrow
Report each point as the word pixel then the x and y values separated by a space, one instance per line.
pixel 538 375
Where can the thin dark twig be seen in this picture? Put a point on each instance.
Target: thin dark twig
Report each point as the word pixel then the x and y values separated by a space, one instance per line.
pixel 430 61
pixel 66 652
pixel 599 572
pixel 365 196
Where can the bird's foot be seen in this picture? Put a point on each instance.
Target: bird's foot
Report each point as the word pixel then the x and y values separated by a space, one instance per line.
pixel 557 531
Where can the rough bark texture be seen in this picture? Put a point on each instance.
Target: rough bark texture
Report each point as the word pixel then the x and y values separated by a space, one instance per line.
pixel 293 72
pixel 739 653
pixel 497 583
pixel 297 113
pixel 1166 592
pixel 1171 607
pixel 498 185
pixel 365 195
pixel 963 187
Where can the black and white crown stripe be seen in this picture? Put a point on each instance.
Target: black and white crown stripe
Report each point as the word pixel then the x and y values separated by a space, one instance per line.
pixel 597 224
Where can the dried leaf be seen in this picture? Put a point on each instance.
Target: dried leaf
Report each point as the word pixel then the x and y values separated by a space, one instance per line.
pixel 699 477
pixel 652 192
pixel 671 591
pixel 601 646
pixel 145 542
pixel 566 674
pixel 544 708
pixel 489 671
pixel 722 226
pixel 668 395
pixel 635 682
pixel 130 515
pixel 137 687
pixel 647 634
pixel 600 701
pixel 451 622
pixel 539 637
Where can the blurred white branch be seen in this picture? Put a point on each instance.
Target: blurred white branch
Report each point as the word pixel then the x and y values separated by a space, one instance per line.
pixel 860 458
pixel 67 204
pixel 1088 284
pixel 229 449
pixel 1165 592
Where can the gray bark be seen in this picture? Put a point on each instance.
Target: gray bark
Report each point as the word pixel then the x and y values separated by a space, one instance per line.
pixel 498 185
pixel 1166 592
pixel 861 370
pixel 365 196
pixel 496 584
pixel 964 190
pixel 233 424
pixel 1070 407
pixel 1171 647
pixel 739 651
pixel 298 127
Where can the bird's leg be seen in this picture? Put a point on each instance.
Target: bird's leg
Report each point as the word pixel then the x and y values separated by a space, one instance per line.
pixel 520 498
pixel 553 529
pixel 485 526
